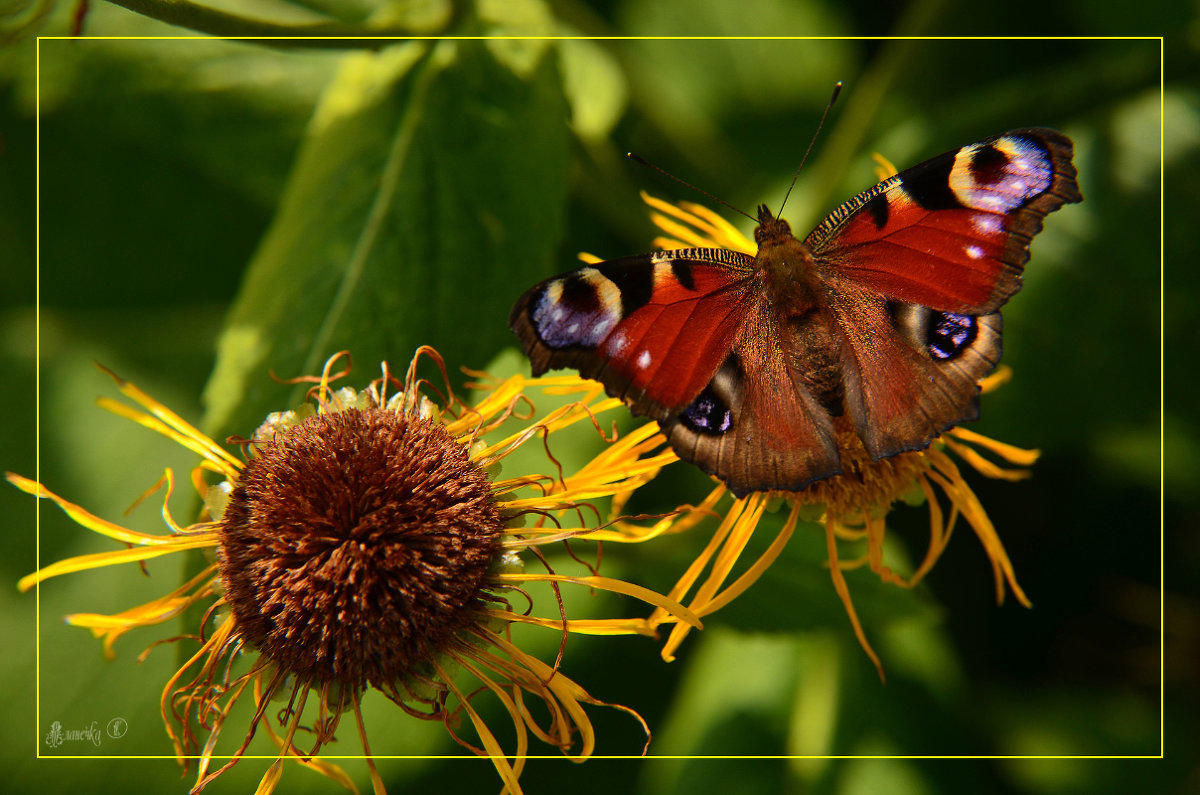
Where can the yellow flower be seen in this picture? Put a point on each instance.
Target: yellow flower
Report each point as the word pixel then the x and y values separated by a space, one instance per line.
pixel 367 542
pixel 851 507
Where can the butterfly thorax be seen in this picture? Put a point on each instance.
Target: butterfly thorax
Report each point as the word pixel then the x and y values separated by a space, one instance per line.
pixel 785 265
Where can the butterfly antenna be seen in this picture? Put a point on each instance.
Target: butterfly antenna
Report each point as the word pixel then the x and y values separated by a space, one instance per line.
pixel 837 89
pixel 647 163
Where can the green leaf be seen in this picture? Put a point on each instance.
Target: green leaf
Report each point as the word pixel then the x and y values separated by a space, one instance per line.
pixel 429 191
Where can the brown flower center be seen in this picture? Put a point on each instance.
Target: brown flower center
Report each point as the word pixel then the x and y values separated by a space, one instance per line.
pixel 355 545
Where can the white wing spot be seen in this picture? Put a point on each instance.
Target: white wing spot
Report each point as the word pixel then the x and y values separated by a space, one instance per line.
pixel 643 360
pixel 986 223
pixel 618 344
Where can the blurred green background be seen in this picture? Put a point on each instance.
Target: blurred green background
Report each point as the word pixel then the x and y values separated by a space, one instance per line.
pixel 210 211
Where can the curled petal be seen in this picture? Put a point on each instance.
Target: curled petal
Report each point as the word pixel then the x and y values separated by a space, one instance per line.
pixel 616 586
pixel 86 518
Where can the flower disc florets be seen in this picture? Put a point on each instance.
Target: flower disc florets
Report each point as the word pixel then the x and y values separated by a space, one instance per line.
pixel 355 544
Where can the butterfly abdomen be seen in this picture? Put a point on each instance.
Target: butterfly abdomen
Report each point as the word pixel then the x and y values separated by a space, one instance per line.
pixel 816 359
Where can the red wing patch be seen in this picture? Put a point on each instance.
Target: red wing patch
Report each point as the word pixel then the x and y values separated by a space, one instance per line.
pixel 653 329
pixel 950 260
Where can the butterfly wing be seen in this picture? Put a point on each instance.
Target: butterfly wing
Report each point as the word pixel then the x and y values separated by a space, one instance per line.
pixel 915 270
pixel 653 328
pixel 757 425
pixel 686 337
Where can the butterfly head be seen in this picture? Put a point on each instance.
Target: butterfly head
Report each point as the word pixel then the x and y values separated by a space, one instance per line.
pixel 770 229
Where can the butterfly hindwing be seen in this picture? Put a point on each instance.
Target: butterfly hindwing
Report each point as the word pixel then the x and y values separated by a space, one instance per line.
pixel 911 372
pixel 757 425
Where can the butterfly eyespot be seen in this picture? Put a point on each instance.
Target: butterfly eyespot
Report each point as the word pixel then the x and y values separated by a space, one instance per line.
pixel 707 414
pixel 1001 176
pixel 942 335
pixel 578 310
pixel 949 334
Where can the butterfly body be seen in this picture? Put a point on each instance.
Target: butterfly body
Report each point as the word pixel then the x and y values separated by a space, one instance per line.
pixel 885 315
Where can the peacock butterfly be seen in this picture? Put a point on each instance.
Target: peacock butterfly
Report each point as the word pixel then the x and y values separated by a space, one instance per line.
pixel 888 312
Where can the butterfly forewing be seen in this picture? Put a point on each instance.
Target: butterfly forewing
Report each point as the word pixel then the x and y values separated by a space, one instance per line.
pixel 953 232
pixel 653 329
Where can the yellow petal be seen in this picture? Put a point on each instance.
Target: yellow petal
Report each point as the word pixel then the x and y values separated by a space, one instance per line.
pixel 100 559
